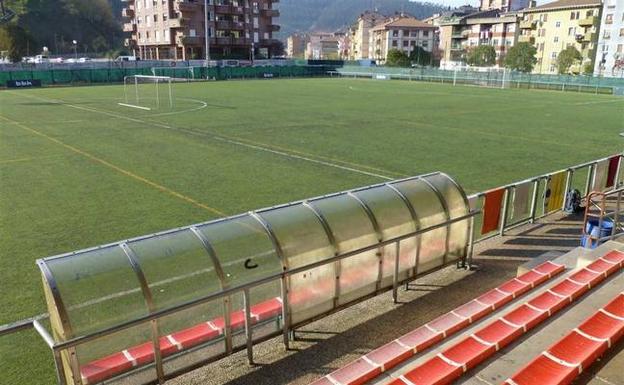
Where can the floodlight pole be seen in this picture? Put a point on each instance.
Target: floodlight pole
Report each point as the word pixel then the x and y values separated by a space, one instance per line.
pixel 207 29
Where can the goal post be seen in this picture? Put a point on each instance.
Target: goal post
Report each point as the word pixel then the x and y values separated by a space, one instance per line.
pixel 493 77
pixel 147 92
pixel 187 73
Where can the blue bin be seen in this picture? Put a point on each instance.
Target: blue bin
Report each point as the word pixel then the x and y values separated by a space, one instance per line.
pixel 596 232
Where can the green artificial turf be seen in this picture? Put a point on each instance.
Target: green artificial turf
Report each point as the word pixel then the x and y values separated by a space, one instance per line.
pixel 78 170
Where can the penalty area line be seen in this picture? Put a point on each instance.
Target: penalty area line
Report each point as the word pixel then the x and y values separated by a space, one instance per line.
pixel 133 106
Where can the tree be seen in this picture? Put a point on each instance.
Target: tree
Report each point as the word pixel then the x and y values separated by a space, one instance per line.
pixel 420 56
pixel 397 58
pixel 521 57
pixel 15 40
pixel 567 58
pixel 481 56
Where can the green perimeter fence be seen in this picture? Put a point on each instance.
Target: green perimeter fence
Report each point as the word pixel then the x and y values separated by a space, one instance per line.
pixel 116 75
pixel 494 78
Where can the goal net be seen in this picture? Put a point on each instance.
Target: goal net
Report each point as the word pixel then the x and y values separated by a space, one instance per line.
pixel 147 92
pixel 175 72
pixel 481 76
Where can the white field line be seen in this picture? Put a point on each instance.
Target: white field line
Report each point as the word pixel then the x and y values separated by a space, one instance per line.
pixel 201 107
pixel 133 106
pixel 598 102
pixel 220 138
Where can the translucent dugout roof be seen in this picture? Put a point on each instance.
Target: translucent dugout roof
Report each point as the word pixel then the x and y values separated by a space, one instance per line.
pixel 95 289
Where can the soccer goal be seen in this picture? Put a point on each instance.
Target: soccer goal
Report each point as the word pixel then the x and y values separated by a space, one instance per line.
pixel 481 76
pixel 147 92
pixel 175 72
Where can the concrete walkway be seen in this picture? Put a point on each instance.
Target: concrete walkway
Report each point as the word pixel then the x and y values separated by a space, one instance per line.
pixel 334 341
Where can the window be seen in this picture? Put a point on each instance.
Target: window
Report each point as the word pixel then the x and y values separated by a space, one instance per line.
pixel 395 43
pixel 406 32
pixel 495 42
pixel 425 33
pixel 155 18
pixel 606 34
pixel 556 40
pixel 413 43
pixel 425 44
pixel 543 17
pixel 166 36
pixel 192 33
pixel 558 24
pixel 552 68
pixel 541 47
pixel 553 55
pixel 571 31
pixel 164 17
pixel 157 36
pixel 620 48
pixel 575 15
pixel 609 19
pixel 395 33
pixel 405 43
pixel 621 32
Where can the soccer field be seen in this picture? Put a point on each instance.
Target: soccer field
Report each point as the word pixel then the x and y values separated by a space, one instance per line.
pixel 78 170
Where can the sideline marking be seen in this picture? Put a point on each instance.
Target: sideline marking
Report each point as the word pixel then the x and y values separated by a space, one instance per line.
pixel 118 169
pixel 133 106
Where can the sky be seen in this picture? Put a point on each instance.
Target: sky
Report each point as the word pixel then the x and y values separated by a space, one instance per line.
pixel 456 3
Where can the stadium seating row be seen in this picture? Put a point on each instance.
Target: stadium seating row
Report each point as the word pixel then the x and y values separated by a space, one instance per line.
pixel 566 359
pixel 402 348
pixel 450 364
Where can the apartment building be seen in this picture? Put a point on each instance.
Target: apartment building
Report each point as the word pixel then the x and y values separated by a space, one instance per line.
pixel 503 5
pixel 176 29
pixel 322 46
pixel 554 26
pixel 492 27
pixel 359 34
pixel 610 50
pixel 402 33
pixel 296 45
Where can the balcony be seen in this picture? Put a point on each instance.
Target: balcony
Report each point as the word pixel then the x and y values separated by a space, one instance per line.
pixel 224 24
pixel 187 6
pixel 130 42
pixel 129 27
pixel 190 40
pixel 223 40
pixel 238 10
pixel 127 12
pixel 223 9
pixel 588 21
pixel 528 24
pixel 274 28
pixel 589 37
pixel 178 22
pixel 457 35
pixel 526 39
pixel 238 25
pixel 269 12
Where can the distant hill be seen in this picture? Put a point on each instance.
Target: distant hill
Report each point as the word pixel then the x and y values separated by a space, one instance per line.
pixel 331 15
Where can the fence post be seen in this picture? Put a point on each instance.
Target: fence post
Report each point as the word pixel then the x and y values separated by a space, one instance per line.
pixel 503 220
pixel 534 200
pixel 569 176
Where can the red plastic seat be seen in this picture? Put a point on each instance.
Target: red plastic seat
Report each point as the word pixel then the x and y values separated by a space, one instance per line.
pixel 543 371
pixel 516 287
pixel 615 256
pixel 356 372
pixel 549 268
pixel 570 289
pixel 421 338
pixel 587 276
pixel 438 371
pixel 449 323
pixel 473 310
pixel 391 354
pixel 549 301
pixel 578 349
pixel 500 333
pixel 469 352
pixel 495 298
pixel 526 316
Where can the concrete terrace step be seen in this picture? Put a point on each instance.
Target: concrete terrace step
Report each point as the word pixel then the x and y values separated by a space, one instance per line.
pixel 512 357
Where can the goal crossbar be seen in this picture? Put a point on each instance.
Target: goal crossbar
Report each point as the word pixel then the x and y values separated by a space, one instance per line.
pixel 156 80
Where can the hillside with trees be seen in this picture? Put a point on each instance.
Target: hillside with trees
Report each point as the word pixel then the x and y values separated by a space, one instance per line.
pixel 331 15
pixel 55 24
